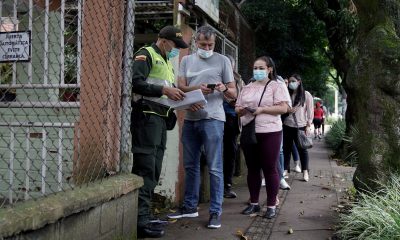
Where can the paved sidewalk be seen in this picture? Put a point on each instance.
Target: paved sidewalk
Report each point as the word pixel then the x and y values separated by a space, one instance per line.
pixel 308 209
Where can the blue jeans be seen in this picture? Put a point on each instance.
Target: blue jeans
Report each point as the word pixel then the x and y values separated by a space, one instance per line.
pixel 281 162
pixel 207 133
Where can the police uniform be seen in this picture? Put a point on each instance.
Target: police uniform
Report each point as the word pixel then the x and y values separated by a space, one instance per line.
pixel 151 72
pixel 149 134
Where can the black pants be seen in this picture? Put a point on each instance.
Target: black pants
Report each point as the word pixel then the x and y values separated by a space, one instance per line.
pixel 290 136
pixel 149 137
pixel 231 133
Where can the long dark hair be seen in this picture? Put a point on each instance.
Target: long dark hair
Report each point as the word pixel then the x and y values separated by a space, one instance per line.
pixel 300 95
pixel 270 63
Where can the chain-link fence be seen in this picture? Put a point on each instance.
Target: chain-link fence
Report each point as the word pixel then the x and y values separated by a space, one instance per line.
pixel 60 94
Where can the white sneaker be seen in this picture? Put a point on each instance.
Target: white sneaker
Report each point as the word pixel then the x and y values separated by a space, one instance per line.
pixel 284 185
pixel 285 174
pixel 297 167
pixel 305 176
pixel 263 182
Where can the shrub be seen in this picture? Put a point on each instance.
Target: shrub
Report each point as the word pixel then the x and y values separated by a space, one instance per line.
pixel 336 134
pixel 375 216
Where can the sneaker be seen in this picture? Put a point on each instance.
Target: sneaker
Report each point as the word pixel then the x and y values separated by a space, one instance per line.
pixel 228 193
pixel 263 182
pixel 284 185
pixel 214 221
pixel 305 176
pixel 150 231
pixel 297 167
pixel 184 212
pixel 270 213
pixel 252 208
pixel 285 174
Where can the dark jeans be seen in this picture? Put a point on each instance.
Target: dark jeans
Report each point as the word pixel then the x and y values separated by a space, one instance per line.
pixel 149 137
pixel 263 156
pixel 290 136
pixel 231 133
pixel 295 153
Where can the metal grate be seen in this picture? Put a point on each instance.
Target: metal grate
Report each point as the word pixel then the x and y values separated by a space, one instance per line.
pixel 64 120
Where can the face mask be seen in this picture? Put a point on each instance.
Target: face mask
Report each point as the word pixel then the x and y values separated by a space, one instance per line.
pixel 204 53
pixel 260 75
pixel 293 85
pixel 173 53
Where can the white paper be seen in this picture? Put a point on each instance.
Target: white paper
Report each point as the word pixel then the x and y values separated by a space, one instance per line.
pixel 192 97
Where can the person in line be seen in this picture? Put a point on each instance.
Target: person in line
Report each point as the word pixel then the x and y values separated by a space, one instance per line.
pixel 204 125
pixel 282 183
pixel 152 83
pixel 294 153
pixel 231 133
pixel 323 118
pixel 263 155
pixel 303 110
pixel 317 121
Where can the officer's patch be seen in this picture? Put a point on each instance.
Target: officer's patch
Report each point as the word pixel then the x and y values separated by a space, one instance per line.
pixel 140 58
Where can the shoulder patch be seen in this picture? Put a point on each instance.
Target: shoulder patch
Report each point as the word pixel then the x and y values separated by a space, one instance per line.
pixel 140 58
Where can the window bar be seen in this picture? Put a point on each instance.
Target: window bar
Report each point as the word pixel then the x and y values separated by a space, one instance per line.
pixel 30 29
pixel 27 164
pixel 79 42
pixel 237 59
pixel 15 17
pixel 11 167
pixel 46 45
pixel 1 21
pixel 59 167
pixel 62 56
pixel 1 13
pixel 223 45
pixel 44 167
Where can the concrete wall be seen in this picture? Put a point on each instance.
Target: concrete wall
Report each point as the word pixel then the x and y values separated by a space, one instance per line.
pixel 101 210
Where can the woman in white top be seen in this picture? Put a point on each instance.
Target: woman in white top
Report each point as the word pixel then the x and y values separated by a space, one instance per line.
pixel 303 109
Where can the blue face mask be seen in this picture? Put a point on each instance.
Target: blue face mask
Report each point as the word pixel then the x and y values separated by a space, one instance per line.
pixel 173 53
pixel 260 75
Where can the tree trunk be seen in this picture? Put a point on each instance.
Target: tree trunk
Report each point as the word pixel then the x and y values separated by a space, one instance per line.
pixel 373 87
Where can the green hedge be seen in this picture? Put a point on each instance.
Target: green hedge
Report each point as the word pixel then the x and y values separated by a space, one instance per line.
pixel 336 134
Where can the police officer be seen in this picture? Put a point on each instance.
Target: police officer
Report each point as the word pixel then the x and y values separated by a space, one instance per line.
pixel 152 86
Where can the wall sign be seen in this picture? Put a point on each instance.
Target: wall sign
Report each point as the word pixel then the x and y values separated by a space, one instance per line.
pixel 15 46
pixel 210 7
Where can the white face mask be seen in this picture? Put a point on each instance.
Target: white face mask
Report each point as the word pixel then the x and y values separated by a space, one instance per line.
pixel 293 85
pixel 204 53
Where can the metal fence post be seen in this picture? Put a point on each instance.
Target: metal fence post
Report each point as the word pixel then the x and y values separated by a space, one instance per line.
pixel 126 155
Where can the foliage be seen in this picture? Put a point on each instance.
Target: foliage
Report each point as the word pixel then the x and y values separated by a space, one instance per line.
pixel 70 58
pixel 336 134
pixel 5 73
pixel 376 215
pixel 351 143
pixel 289 32
pixel 340 22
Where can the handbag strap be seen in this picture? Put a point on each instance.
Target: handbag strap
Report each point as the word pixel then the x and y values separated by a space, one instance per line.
pixel 262 95
pixel 295 119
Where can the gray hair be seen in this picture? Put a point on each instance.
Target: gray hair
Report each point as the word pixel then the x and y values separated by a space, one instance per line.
pixel 206 31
